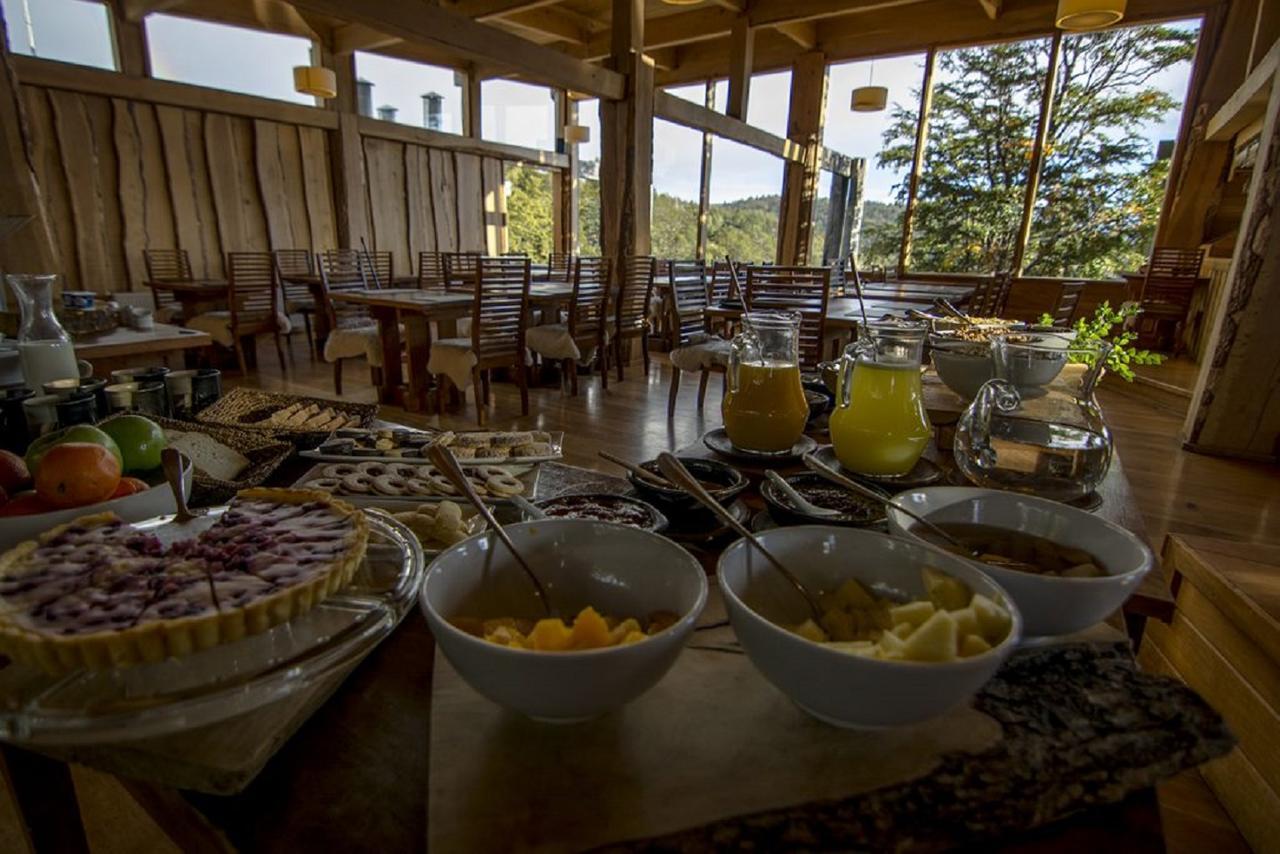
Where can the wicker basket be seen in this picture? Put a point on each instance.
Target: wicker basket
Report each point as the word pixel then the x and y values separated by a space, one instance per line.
pixel 246 408
pixel 264 453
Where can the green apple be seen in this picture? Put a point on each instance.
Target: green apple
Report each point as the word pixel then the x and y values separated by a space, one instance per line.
pixel 140 440
pixel 79 433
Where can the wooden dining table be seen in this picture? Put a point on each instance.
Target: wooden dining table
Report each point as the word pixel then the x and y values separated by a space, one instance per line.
pixel 923 293
pixel 195 295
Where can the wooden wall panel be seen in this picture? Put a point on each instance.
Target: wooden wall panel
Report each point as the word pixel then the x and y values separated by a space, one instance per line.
pixel 195 221
pixel 295 196
pixel 444 186
pixel 53 185
pixel 417 184
pixel 266 139
pixel 493 173
pixel 470 201
pixel 317 187
pixel 385 185
pixel 101 122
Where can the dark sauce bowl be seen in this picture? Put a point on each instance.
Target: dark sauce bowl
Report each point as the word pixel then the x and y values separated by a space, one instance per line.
pixel 726 484
pixel 857 511
pixel 605 507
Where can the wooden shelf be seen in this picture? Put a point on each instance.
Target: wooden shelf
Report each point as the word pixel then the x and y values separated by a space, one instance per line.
pixel 1248 103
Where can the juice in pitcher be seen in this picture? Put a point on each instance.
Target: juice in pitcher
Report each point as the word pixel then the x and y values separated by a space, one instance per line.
pixel 764 407
pixel 879 426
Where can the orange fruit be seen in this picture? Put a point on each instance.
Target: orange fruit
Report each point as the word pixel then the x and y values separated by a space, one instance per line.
pixel 25 504
pixel 76 474
pixel 130 486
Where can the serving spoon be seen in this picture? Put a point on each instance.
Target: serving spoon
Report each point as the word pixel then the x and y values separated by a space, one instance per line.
pixel 639 471
pixel 175 465
pixel 675 472
pixel 801 503
pixel 447 464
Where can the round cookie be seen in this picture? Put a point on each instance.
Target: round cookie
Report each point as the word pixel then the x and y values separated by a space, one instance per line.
pixel 390 485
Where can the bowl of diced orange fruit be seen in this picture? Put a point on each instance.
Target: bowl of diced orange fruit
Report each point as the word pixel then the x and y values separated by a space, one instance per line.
pixel 624 603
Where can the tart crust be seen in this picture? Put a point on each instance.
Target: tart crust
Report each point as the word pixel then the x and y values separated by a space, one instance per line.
pixel 156 640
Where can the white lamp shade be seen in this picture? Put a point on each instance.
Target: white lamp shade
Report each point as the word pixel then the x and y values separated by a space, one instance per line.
pixel 869 99
pixel 1081 15
pixel 315 80
pixel 577 134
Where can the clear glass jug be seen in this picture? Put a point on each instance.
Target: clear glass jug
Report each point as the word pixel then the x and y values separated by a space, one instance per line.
pixel 764 407
pixel 1036 428
pixel 44 347
pixel 879 426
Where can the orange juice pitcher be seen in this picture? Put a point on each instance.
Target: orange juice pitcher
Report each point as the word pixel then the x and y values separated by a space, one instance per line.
pixel 764 407
pixel 879 426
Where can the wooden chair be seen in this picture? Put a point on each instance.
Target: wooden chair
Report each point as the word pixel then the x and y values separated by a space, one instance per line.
pixel 379 269
pixel 560 267
pixel 695 349
pixel 498 334
pixel 587 327
pixel 254 307
pixel 352 331
pixel 1064 310
pixel 460 270
pixel 724 284
pixel 291 263
pixel 1167 290
pixel 167 265
pixel 632 309
pixel 802 289
pixel 431 275
pixel 991 295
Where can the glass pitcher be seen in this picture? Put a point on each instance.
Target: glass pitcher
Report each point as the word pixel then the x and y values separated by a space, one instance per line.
pixel 44 347
pixel 764 407
pixel 1036 428
pixel 879 426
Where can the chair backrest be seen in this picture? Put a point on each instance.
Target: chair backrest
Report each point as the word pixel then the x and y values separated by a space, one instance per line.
pixel 294 262
pixel 501 308
pixel 253 296
pixel 431 271
pixel 634 293
pixel 1171 276
pixel 722 286
pixel 342 270
pixel 379 268
pixel 687 283
pixel 662 268
pixel 1064 312
pixel 460 269
pixel 802 289
pixel 589 310
pixel 560 266
pixel 167 265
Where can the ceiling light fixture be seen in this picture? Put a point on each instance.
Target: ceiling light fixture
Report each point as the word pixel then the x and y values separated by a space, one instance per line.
pixel 315 80
pixel 1083 15
pixel 869 98
pixel 577 134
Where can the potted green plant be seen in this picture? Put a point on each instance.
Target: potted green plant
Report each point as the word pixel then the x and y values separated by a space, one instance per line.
pixel 1123 356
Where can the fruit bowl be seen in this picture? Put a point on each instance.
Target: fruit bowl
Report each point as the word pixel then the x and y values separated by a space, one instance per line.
pixel 156 501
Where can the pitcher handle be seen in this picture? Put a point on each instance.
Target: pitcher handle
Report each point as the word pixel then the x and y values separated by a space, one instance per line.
pixel 1094 374
pixel 994 396
pixel 738 348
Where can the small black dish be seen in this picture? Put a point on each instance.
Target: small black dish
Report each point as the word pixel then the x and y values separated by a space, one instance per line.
pixel 605 507
pixel 818 490
pixel 925 473
pixel 702 527
pixel 725 483
pixel 718 441
pixel 819 403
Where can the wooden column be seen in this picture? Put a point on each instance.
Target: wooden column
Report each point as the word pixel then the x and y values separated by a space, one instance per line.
pixel 800 179
pixel 836 213
pixel 851 236
pixel 471 120
pixel 129 42
pixel 741 47
pixel 1037 153
pixel 1236 407
pixel 704 179
pixel 917 164
pixel 626 146
pixel 564 183
pixel 350 199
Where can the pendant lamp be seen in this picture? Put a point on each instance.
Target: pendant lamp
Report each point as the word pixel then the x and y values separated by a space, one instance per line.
pixel 869 98
pixel 1082 15
pixel 577 134
pixel 315 80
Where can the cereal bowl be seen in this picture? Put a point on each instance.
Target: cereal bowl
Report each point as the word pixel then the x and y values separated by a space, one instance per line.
pixel 839 688
pixel 618 570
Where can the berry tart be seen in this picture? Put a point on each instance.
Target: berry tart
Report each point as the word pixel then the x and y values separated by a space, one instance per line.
pixel 98 593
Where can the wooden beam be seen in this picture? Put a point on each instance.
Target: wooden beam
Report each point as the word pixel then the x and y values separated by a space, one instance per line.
pixel 626 146
pixel 768 13
pixel 484 10
pixel 993 8
pixel 917 163
pixel 436 26
pixel 670 30
pixel 136 10
pixel 691 115
pixel 350 38
pixel 704 178
pixel 438 139
pixel 803 33
pixel 564 184
pixel 471 103
pixel 129 41
pixel 741 47
pixel 1037 154
pixel 549 22
pixel 1248 103
pixel 800 178
pixel 735 6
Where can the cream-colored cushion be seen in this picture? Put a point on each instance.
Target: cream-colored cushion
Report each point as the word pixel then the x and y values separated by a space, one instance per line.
pixel 170 313
pixel 552 341
pixel 349 342
pixel 454 358
pixel 218 325
pixel 701 353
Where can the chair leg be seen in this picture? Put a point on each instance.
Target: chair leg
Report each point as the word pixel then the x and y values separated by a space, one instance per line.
pixel 337 377
pixel 311 341
pixel 566 367
pixel 702 387
pixel 442 392
pixel 522 380
pixel 240 358
pixel 484 377
pixel 617 355
pixel 280 352
pixel 476 383
pixel 675 390
pixel 644 350
pixel 602 356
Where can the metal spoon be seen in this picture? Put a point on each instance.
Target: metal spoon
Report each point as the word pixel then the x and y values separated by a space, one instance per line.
pixel 680 476
pixel 447 464
pixel 642 473
pixel 175 465
pixel 801 503
pixel 530 510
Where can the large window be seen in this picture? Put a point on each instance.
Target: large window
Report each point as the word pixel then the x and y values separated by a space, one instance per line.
pixel 697 93
pixel 770 102
pixel 411 93
pixel 1119 93
pixel 529 219
pixel 743 219
pixel 517 114
pixel 885 140
pixel 65 30
pixel 677 175
pixel 589 180
pixel 225 57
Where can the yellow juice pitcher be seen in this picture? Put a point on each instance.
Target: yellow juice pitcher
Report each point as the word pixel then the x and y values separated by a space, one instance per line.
pixel 764 407
pixel 879 426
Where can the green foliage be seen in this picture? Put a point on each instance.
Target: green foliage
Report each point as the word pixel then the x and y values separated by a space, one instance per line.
pixel 1092 330
pixel 529 223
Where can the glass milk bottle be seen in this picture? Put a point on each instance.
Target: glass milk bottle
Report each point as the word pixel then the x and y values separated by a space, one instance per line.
pixel 44 347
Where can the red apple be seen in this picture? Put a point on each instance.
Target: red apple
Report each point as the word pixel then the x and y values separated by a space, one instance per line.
pixel 14 475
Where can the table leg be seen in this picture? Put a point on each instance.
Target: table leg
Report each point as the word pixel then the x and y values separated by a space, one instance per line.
pixel 418 332
pixel 392 377
pixel 46 799
pixel 321 328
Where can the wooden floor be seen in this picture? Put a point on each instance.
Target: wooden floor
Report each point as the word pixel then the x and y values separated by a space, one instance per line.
pixel 1176 490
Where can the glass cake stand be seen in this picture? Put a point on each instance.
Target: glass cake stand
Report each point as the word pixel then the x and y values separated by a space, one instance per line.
pixel 149 700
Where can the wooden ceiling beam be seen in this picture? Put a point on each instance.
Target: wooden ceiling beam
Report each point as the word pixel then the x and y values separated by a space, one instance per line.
pixel 768 13
pixel 350 38
pixel 993 8
pixel 560 25
pixel 670 30
pixel 461 36
pixel 484 10
pixel 737 7
pixel 803 33
pixel 136 10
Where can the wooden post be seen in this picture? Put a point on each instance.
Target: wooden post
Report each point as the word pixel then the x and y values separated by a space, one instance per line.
pixel 626 147
pixel 800 179
pixel 836 213
pixel 564 184
pixel 704 180
pixel 471 120
pixel 1236 406
pixel 1037 153
pixel 129 41
pixel 917 164
pixel 851 238
pixel 741 47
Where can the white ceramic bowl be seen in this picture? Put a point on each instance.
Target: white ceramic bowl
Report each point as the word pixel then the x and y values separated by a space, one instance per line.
pixel 842 689
pixel 156 501
pixel 1049 605
pixel 618 570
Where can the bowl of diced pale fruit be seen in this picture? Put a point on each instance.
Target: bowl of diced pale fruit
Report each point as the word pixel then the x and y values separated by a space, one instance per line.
pixel 906 632
pixel 623 601
pixel 1065 569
